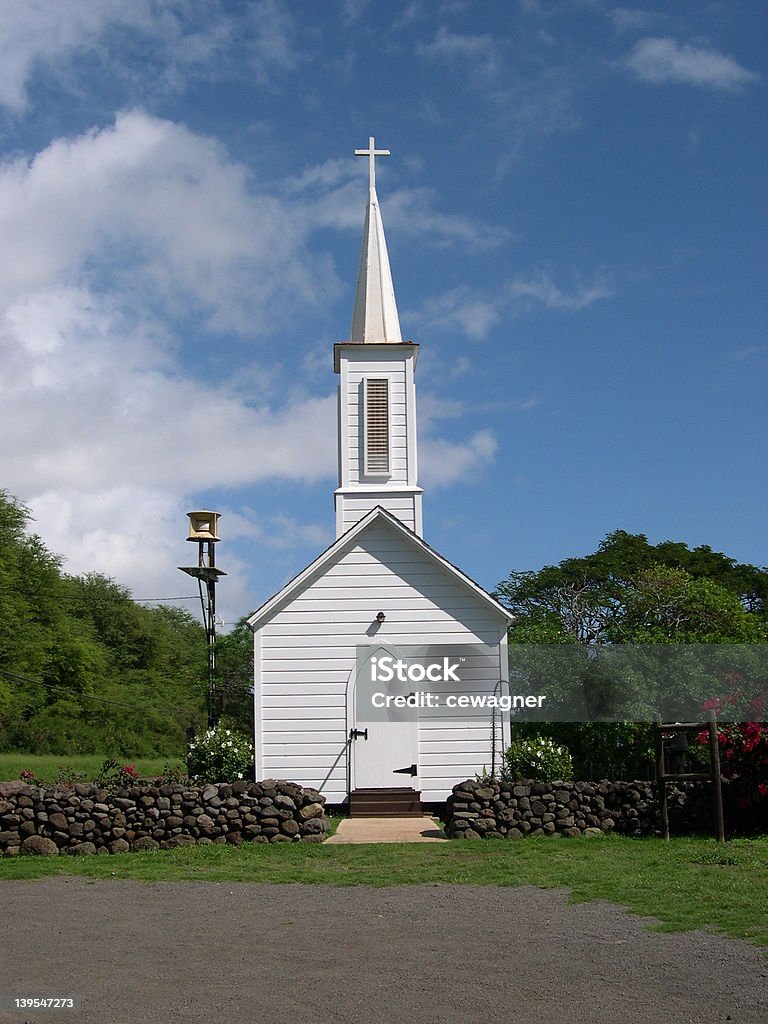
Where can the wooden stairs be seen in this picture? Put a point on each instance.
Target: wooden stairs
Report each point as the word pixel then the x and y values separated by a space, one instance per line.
pixel 385 803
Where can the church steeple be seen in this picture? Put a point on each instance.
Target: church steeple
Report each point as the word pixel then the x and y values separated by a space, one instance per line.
pixel 377 393
pixel 375 318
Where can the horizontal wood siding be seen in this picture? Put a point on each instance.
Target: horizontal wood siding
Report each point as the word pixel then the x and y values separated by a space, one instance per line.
pixel 355 507
pixel 307 657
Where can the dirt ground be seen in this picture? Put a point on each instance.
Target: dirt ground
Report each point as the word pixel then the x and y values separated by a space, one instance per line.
pixel 134 952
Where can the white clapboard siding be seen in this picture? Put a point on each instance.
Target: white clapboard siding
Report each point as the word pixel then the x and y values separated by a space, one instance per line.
pixel 406 516
pixel 300 760
pixel 322 748
pixel 276 689
pixel 432 734
pixel 315 629
pixel 306 649
pixel 333 784
pixel 451 604
pixel 320 700
pixel 282 730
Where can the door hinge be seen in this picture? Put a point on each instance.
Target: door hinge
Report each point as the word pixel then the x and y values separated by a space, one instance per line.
pixel 412 769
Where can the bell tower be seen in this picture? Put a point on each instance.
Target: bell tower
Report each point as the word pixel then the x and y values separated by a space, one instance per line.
pixel 377 390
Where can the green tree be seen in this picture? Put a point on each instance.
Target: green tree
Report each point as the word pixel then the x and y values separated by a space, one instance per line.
pixel 234 675
pixel 83 668
pixel 629 587
pixel 664 605
pixel 631 591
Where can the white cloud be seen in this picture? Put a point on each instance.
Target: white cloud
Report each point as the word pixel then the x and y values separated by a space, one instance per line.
pixel 35 34
pixel 94 399
pixel 110 432
pixel 661 60
pixel 178 40
pixel 478 52
pixel 475 313
pixel 442 463
pixel 433 407
pixel 354 9
pixel 521 96
pixel 472 312
pixel 541 287
pixel 159 207
pixel 331 192
pixel 411 213
pixel 111 428
pixel 747 352
pixel 110 441
pixel 135 535
pixel 630 19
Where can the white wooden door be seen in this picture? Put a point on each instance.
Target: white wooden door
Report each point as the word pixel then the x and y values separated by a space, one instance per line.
pixel 389 746
pixel 383 746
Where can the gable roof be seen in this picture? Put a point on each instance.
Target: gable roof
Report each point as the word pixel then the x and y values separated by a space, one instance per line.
pixel 346 540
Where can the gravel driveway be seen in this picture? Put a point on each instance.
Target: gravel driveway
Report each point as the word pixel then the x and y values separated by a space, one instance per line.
pixel 134 952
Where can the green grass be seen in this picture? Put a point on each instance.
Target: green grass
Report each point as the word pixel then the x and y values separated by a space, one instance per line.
pixel 47 766
pixel 684 884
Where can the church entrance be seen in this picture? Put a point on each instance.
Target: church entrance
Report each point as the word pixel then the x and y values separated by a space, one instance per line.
pixel 383 757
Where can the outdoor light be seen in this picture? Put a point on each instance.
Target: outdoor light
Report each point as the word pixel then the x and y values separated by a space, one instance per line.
pixel 380 617
pixel 203 525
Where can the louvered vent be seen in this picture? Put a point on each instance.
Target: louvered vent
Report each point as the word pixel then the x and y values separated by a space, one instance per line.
pixel 376 426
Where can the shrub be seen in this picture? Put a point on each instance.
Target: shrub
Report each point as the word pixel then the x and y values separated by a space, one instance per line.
pixel 174 771
pixel 112 774
pixel 221 754
pixel 743 761
pixel 600 750
pixel 537 758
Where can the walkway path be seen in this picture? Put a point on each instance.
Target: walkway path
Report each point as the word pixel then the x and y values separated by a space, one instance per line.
pixel 388 830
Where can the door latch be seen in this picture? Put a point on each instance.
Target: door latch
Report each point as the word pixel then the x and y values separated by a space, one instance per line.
pixel 356 734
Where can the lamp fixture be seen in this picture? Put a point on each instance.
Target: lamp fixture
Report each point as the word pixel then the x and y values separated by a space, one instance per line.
pixel 380 617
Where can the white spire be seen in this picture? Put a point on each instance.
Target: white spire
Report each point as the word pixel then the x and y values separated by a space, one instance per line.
pixel 374 318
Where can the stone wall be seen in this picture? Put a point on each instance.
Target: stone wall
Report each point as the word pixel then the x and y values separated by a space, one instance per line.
pixel 83 819
pixel 512 810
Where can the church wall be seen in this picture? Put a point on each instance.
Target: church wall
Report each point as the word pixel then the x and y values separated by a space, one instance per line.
pixel 306 658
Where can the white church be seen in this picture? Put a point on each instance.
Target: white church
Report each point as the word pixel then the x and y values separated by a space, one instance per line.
pixel 378 586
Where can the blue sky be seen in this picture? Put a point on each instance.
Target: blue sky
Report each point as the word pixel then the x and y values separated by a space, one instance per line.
pixel 575 215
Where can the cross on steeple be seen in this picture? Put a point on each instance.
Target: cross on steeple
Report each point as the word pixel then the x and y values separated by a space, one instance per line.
pixel 372 153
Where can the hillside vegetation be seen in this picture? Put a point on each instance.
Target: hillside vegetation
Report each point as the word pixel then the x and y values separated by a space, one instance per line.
pixel 83 668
